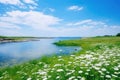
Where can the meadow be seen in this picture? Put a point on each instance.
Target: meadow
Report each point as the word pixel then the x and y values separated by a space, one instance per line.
pixel 99 59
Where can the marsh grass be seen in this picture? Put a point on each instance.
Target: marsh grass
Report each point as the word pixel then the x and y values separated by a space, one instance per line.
pixel 98 60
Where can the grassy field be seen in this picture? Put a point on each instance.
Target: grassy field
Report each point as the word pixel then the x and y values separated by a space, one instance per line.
pixel 99 59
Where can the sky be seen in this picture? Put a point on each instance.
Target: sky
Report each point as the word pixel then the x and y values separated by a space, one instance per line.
pixel 59 18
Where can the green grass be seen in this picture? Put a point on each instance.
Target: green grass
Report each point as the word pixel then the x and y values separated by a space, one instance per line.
pixel 98 60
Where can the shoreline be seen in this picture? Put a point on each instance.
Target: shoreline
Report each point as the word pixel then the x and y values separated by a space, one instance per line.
pixel 6 39
pixel 11 41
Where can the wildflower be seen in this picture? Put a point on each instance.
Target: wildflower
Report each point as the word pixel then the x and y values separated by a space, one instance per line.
pixel 60 70
pixel 45 78
pixel 108 76
pixel 45 66
pixel 82 78
pixel 60 60
pixel 71 78
pixel 88 56
pixel 98 64
pixel 103 69
pixel 119 65
pixel 100 72
pixel 114 75
pixel 59 56
pixel 69 62
pixel 80 72
pixel 79 77
pixel 107 64
pixel 29 78
pixel 69 73
pixel 86 73
pixel 1 78
pixel 116 68
pixel 116 72
pixel 57 77
pixel 88 70
pixel 42 72
pixel 56 65
pixel 97 68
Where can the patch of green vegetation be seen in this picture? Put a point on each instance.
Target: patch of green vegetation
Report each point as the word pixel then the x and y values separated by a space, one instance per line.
pixel 90 42
pixel 98 60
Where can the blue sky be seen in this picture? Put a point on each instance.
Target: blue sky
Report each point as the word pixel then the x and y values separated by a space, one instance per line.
pixel 59 17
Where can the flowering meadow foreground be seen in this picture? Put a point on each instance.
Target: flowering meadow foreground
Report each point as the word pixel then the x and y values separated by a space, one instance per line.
pixel 99 59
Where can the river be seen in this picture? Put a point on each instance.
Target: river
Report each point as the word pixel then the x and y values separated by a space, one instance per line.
pixel 12 53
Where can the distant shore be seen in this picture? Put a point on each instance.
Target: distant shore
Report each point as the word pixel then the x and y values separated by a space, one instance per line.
pixel 5 39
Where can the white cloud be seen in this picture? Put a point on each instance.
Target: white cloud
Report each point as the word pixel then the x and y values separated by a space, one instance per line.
pixel 12 2
pixel 34 19
pixel 87 22
pixel 7 25
pixel 32 7
pixel 30 2
pixel 76 8
pixel 21 4
pixel 90 27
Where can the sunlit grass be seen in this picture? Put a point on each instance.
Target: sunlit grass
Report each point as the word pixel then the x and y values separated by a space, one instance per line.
pixel 98 60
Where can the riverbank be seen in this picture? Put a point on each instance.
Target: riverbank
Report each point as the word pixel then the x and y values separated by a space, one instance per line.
pixel 8 39
pixel 98 60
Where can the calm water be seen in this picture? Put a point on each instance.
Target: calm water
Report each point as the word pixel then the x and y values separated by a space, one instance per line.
pixel 12 53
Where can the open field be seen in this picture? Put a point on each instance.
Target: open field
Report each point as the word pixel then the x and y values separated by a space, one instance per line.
pixel 99 59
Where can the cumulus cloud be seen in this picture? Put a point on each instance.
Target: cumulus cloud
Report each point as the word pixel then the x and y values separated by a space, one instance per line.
pixel 75 7
pixel 12 2
pixel 32 19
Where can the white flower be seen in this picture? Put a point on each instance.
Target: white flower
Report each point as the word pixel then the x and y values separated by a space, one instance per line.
pixel 57 77
pixel 79 77
pixel 45 78
pixel 71 78
pixel 103 69
pixel 82 78
pixel 42 72
pixel 88 56
pixel 56 65
pixel 29 78
pixel 114 75
pixel 116 68
pixel 97 68
pixel 60 70
pixel 68 73
pixel 80 72
pixel 98 64
pixel 119 65
pixel 108 76
pixel 86 73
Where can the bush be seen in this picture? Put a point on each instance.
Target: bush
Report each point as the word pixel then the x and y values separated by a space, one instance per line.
pixel 118 34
